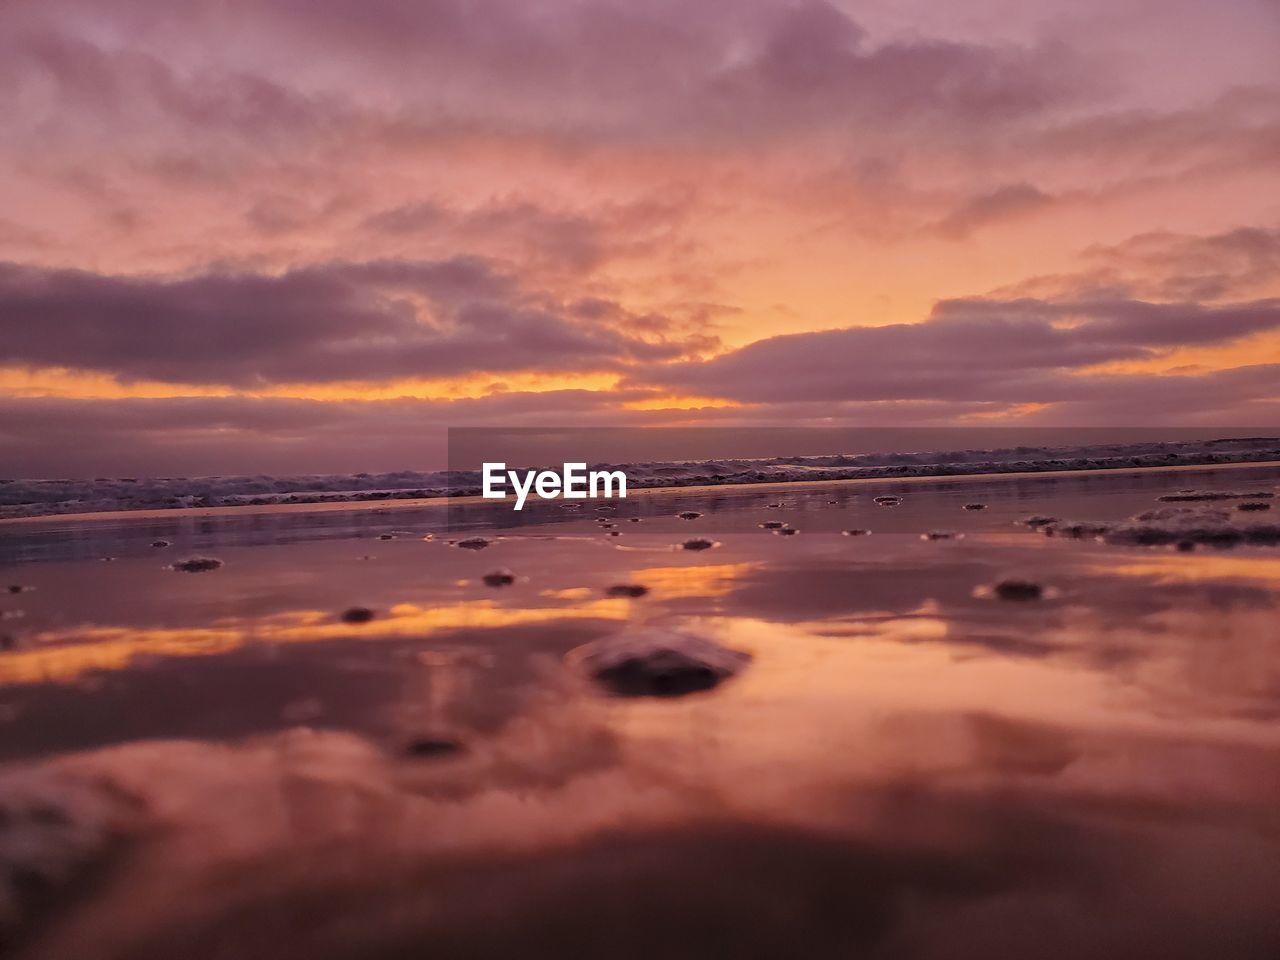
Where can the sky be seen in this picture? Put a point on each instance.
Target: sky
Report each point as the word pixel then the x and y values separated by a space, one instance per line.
pixel 283 236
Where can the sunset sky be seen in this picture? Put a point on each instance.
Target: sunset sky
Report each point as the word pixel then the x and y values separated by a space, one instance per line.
pixel 308 235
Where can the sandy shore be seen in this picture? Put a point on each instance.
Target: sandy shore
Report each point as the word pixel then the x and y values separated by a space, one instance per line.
pixel 841 746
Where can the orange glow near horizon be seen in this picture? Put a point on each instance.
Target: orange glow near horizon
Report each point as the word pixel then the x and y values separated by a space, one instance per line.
pixel 654 217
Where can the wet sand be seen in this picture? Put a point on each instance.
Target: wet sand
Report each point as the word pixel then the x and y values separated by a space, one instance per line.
pixel 219 764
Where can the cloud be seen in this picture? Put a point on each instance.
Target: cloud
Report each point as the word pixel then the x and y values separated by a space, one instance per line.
pixel 540 236
pixel 744 70
pixel 1165 266
pixel 1181 267
pixel 1014 351
pixel 1003 203
pixel 1238 126
pixel 370 321
pixel 258 193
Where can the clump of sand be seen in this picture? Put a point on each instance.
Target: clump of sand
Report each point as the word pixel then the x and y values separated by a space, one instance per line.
pixel 657 663
pixel 627 590
pixel 196 564
pixel 698 543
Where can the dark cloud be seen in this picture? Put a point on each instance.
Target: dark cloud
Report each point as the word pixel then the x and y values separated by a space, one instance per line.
pixel 813 60
pixel 341 321
pixel 1166 267
pixel 994 206
pixel 410 218
pixel 1181 267
pixel 738 70
pixel 539 235
pixel 1019 351
pixel 1238 129
pixel 99 89
pixel 1120 324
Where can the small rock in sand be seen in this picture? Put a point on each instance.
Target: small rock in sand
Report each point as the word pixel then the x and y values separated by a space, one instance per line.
pixel 657 663
pixel 942 535
pixel 773 525
pixel 889 501
pixel 19 588
pixel 1017 589
pixel 689 515
pixel 975 506
pixel 1253 505
pixel 786 531
pixel 855 533
pixel 428 747
pixel 499 578
pixel 627 590
pixel 196 565
pixel 473 543
pixel 158 544
pixel 357 615
pixel 634 519
pixel 385 536
pixel 697 543
pixel 1038 521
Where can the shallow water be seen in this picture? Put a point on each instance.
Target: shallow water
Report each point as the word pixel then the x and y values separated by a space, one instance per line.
pixel 216 765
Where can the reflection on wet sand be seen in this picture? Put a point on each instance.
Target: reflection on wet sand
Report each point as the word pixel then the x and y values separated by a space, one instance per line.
pixel 66 655
pixel 900 765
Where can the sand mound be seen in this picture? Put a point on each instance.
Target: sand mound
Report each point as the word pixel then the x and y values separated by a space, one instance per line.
pixel 698 543
pixel 196 564
pixel 627 590
pixel 657 663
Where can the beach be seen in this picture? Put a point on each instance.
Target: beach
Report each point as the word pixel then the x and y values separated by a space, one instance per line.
pixel 590 480
pixel 879 753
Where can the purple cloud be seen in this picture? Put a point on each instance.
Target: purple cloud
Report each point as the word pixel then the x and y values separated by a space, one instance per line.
pixel 756 69
pixel 1018 351
pixel 1000 204
pixel 340 321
